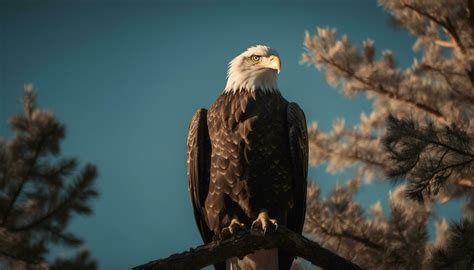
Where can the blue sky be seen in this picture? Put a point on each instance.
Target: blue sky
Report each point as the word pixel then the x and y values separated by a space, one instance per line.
pixel 125 77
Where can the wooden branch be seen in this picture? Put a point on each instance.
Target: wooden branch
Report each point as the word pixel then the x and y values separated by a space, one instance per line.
pixel 466 182
pixel 381 90
pixel 444 43
pixel 246 243
pixel 18 258
pixel 470 11
pixel 445 24
pixel 24 179
pixel 362 240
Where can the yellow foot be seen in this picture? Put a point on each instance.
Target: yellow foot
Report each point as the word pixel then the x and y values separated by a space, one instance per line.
pixel 264 223
pixel 234 227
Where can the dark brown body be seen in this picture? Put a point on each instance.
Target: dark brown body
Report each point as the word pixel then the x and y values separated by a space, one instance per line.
pixel 251 166
pixel 248 154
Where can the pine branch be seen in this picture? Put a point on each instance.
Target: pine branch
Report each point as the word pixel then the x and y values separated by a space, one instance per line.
pixel 47 205
pixel 427 156
pixel 444 43
pixel 470 11
pixel 362 240
pixel 458 252
pixel 381 90
pixel 25 178
pixel 458 95
pixel 19 258
pixel 359 157
pixel 81 261
pixel 466 183
pixel 79 191
pixel 248 242
pixel 446 24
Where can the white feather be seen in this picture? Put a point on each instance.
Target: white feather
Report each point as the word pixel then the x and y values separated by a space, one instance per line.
pixel 244 77
pixel 264 259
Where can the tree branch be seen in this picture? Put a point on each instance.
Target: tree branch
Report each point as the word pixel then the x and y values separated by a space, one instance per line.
pixel 246 243
pixel 470 11
pixel 444 43
pixel 446 24
pixel 25 178
pixel 19 258
pixel 466 183
pixel 460 97
pixel 364 241
pixel 381 90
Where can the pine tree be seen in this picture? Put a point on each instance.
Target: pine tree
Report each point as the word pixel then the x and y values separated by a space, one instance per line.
pixel 420 135
pixel 40 192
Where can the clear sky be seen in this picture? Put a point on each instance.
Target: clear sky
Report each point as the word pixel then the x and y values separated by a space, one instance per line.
pixel 126 78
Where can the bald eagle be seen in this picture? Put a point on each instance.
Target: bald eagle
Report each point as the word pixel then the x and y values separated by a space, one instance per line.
pixel 248 159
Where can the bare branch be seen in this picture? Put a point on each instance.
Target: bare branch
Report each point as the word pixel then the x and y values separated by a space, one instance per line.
pixel 248 242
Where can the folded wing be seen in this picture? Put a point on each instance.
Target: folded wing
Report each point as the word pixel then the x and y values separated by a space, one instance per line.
pixel 298 138
pixel 198 159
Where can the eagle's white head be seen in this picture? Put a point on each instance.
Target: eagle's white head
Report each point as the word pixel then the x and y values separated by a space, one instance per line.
pixel 254 69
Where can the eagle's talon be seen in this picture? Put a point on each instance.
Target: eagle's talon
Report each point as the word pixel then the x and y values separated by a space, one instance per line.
pixel 234 227
pixel 264 223
pixel 256 224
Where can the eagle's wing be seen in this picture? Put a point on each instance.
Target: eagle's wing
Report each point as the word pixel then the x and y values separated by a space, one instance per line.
pixel 298 138
pixel 198 158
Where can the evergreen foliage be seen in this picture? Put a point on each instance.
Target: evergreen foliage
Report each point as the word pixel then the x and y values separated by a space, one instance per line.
pixel 40 192
pixel 420 135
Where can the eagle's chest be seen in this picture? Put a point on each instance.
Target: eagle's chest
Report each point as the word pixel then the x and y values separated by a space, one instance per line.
pixel 248 136
pixel 243 118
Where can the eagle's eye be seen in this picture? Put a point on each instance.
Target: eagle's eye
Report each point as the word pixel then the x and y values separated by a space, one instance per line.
pixel 255 58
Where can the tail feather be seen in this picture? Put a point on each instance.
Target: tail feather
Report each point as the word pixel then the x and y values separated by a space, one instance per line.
pixel 264 259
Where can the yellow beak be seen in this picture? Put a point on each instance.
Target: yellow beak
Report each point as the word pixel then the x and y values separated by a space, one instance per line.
pixel 272 62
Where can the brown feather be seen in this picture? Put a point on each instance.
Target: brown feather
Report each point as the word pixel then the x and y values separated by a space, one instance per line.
pixel 257 159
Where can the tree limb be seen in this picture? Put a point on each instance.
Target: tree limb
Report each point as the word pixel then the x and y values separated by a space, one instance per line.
pixel 25 178
pixel 246 243
pixel 466 182
pixel 19 258
pixel 446 24
pixel 444 43
pixel 460 96
pixel 365 241
pixel 381 90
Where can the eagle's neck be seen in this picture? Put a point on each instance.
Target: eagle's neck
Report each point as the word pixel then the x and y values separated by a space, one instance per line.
pixel 251 80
